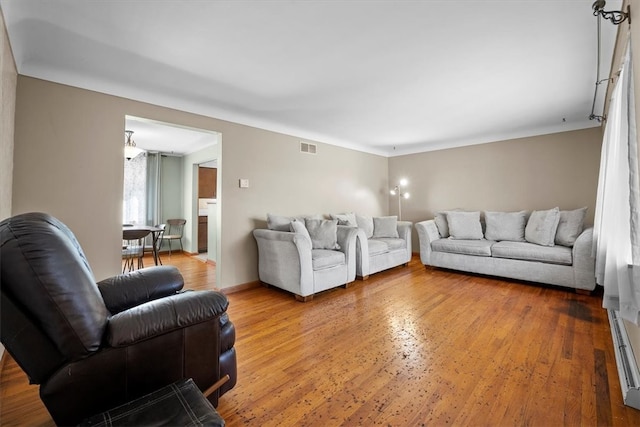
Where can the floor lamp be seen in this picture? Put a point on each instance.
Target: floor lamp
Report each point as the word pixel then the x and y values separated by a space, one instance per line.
pixel 397 190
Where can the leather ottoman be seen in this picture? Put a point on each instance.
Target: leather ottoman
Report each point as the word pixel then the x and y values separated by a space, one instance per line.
pixel 178 404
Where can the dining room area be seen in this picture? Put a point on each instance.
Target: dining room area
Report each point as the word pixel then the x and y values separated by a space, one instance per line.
pixel 162 205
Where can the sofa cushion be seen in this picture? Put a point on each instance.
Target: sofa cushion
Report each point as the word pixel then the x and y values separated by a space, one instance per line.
pixel 385 244
pixel 323 233
pixel 377 246
pixel 464 225
pixel 505 226
pixel 464 247
pixel 532 252
pixel 282 223
pixel 348 219
pixel 297 226
pixel 366 224
pixel 441 223
pixel 542 226
pixel 570 226
pixel 385 226
pixel 325 258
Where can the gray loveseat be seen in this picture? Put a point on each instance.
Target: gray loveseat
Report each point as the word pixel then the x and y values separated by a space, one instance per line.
pixel 545 246
pixel 381 242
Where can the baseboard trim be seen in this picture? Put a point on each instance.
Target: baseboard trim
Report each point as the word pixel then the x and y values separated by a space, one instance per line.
pixel 241 287
pixel 625 361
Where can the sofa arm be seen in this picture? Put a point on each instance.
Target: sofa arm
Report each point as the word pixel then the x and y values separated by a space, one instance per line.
pixel 164 315
pixel 584 265
pixel 284 260
pixel 427 233
pixel 128 290
pixel 347 242
pixel 404 232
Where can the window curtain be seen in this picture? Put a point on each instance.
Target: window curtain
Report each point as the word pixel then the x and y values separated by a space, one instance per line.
pixel 617 217
pixel 154 188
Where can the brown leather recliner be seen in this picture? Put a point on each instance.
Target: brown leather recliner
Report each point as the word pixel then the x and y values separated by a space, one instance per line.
pixel 93 346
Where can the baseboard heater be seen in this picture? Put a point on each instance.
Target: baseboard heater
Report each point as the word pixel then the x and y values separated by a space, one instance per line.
pixel 625 360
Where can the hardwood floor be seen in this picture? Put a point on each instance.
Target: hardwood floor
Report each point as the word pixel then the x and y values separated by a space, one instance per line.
pixel 410 346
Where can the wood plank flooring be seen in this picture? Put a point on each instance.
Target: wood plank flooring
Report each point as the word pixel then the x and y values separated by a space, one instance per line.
pixel 408 347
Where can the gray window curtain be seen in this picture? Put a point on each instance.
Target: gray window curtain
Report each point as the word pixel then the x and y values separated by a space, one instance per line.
pixel 154 188
pixel 617 216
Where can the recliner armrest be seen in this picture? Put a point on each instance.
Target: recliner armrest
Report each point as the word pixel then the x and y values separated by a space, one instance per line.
pixel 147 284
pixel 164 315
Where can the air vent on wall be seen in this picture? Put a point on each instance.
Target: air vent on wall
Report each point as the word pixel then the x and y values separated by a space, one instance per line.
pixel 307 147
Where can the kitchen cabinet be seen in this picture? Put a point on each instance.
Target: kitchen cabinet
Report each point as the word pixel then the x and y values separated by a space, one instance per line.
pixel 203 233
pixel 207 182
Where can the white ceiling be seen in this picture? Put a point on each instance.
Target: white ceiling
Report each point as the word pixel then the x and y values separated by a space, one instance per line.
pixel 387 77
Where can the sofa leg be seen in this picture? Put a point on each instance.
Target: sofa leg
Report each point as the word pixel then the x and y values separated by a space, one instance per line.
pixel 583 292
pixel 363 278
pixel 304 299
pixel 347 285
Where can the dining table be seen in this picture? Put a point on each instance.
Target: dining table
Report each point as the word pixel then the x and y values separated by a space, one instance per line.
pixel 155 234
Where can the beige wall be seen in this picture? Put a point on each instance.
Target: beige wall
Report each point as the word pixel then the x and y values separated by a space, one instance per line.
pixel 524 174
pixel 68 162
pixel 7 110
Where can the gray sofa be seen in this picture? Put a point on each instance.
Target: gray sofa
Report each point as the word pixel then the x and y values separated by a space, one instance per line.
pixel 381 242
pixel 564 262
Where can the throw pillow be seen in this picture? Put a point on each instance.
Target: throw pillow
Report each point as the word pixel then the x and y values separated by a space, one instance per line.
pixel 505 226
pixel 278 222
pixel 348 219
pixel 298 226
pixel 441 223
pixel 323 233
pixel 464 225
pixel 366 224
pixel 570 226
pixel 542 226
pixel 385 226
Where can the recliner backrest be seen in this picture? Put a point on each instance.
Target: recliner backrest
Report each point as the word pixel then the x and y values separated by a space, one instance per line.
pixel 46 274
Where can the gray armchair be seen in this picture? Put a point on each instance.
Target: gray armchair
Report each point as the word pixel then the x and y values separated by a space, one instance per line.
pixel 287 260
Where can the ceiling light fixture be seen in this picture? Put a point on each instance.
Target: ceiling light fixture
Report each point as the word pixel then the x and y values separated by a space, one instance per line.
pixel 130 149
pixel 397 190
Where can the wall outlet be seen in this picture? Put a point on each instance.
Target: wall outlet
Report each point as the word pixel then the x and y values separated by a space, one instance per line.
pixel 244 183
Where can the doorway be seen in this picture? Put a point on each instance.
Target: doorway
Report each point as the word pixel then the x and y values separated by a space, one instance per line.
pixel 173 192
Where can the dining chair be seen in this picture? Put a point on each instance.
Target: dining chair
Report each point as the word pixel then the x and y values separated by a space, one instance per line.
pixel 157 239
pixel 173 231
pixel 133 248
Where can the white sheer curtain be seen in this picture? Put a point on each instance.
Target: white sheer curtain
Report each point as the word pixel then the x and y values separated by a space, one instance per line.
pixel 134 206
pixel 617 216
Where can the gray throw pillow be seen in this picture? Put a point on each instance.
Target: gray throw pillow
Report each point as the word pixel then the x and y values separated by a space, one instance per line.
pixel 570 226
pixel 278 222
pixel 366 224
pixel 348 219
pixel 440 219
pixel 385 226
pixel 542 226
pixel 298 226
pixel 323 233
pixel 505 226
pixel 464 225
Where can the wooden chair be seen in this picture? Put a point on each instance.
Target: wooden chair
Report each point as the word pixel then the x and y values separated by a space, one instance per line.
pixel 173 231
